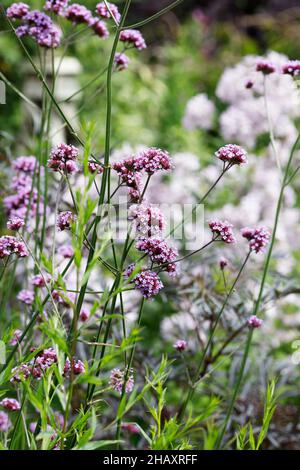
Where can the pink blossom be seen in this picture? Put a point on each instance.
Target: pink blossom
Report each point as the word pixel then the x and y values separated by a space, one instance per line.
pixel 17 10
pixel 121 61
pixel 10 404
pixel 94 167
pixel 78 14
pixel 99 27
pixel 148 219
pixel 26 296
pixel 223 230
pixel 258 238
pixel 41 280
pixel 103 11
pixel 134 37
pixel 15 223
pixel 265 66
pixel 232 153
pixel 223 263
pixel 117 378
pixel 148 283
pixel 5 423
pixel 292 67
pixel 10 245
pixel 255 322
pixel 84 315
pixel 62 158
pixel 65 220
pixel 158 250
pixel 152 160
pixel 24 164
pixel 180 345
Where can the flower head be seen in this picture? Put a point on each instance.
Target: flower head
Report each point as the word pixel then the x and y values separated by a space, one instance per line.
pixel 158 250
pixel 26 296
pixel 84 315
pixel 78 14
pixel 222 229
pixel 41 280
pixel 15 223
pixel 94 167
pixel 65 220
pixel 17 11
pixel 10 404
pixel 254 322
pixel 152 160
pixel 117 379
pixel 134 37
pixel 10 245
pixel 148 283
pixel 232 153
pixel 265 66
pixel 121 61
pixel 56 6
pixel 223 263
pixel 5 423
pixel 292 67
pixel 99 28
pixel 258 238
pixel 102 10
pixel 24 164
pixel 180 345
pixel 62 158
pixel 148 219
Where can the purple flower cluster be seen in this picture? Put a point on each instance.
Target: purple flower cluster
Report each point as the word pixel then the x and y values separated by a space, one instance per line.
pixel 24 164
pixel 258 238
pixel 232 153
pixel 148 219
pixel 16 337
pixel 26 296
pixel 254 322
pixel 147 282
pixel 94 167
pixel 10 404
pixel 5 423
pixel 292 67
pixel 41 281
pixel 158 250
pixel 99 28
pixel 121 61
pixel 103 11
pixel 78 367
pixel 65 220
pixel 180 345
pixel 78 14
pixel 56 6
pixel 62 299
pixel 117 378
pixel 223 263
pixel 15 223
pixel 10 245
pixel 17 10
pixel 40 27
pixel 62 158
pixel 222 230
pixel 134 37
pixel 265 66
pixel 36 367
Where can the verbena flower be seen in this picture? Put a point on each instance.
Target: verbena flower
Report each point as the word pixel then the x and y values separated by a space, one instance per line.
pixel 180 345
pixel 148 219
pixel 17 10
pixel 5 423
pixel 158 250
pixel 148 283
pixel 94 167
pixel 121 61
pixel 56 6
pixel 16 337
pixel 255 322
pixel 10 245
pixel 24 164
pixel 10 404
pixel 62 158
pixel 84 315
pixel 117 379
pixel 99 28
pixel 15 223
pixel 41 281
pixel 134 37
pixel 152 160
pixel 232 153
pixel 65 220
pixel 39 26
pixel 103 11
pixel 26 296
pixel 292 67
pixel 66 251
pixel 265 66
pixel 77 366
pixel 222 229
pixel 131 427
pixel 223 262
pixel 258 238
pixel 78 14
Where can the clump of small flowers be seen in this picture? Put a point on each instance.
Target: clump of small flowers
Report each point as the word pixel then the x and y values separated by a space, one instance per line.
pixel 5 423
pixel 10 245
pixel 41 280
pixel 180 345
pixel 152 160
pixel 66 251
pixel 94 167
pixel 78 14
pixel 147 282
pixel 36 367
pixel 222 230
pixel 77 367
pixel 148 219
pixel 102 10
pixel 10 404
pixel 223 263
pixel 62 299
pixel 65 220
pixel 158 250
pixel 17 10
pixel 254 322
pixel 232 153
pixel 258 238
pixel 16 337
pixel 292 67
pixel 265 66
pixel 121 61
pixel 56 6
pixel 99 28
pixel 26 296
pixel 40 27
pixel 131 427
pixel 117 378
pixel 15 223
pixel 134 37
pixel 84 315
pixel 24 164
pixel 62 158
